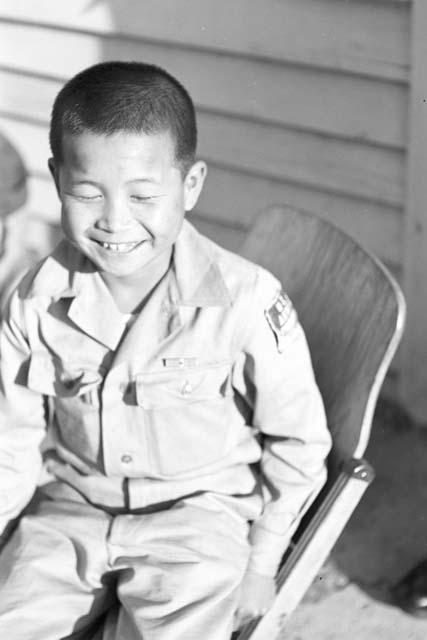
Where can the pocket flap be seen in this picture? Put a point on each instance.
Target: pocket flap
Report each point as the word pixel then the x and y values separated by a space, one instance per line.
pixel 170 387
pixel 50 377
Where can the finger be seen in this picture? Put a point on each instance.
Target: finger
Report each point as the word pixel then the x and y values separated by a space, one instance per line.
pixel 66 473
pixel 59 470
pixel 75 461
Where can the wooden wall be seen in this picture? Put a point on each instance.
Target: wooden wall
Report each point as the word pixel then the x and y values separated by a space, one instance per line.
pixel 303 102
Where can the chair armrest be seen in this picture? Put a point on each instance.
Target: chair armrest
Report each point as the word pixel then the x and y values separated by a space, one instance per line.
pixel 306 557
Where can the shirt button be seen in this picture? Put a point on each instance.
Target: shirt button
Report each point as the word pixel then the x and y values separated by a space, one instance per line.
pixel 187 389
pixel 126 458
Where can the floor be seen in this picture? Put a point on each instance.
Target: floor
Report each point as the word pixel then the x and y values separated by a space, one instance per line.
pixel 386 536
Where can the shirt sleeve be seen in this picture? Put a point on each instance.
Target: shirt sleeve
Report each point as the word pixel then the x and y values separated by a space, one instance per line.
pixel 22 418
pixel 277 381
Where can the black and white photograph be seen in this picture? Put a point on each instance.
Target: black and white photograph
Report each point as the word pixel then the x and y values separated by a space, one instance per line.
pixel 213 320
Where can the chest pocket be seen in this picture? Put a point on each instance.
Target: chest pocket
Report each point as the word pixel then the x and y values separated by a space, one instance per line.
pixel 75 401
pixel 50 377
pixel 187 415
pixel 183 386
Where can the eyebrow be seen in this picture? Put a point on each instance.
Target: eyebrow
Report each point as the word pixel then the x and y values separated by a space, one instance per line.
pixel 145 180
pixel 75 182
pixel 136 180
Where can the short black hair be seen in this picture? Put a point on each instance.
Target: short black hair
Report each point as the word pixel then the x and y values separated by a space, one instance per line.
pixel 125 96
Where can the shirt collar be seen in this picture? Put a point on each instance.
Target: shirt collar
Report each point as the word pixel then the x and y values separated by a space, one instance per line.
pixel 56 275
pixel 198 277
pixel 67 273
pixel 197 282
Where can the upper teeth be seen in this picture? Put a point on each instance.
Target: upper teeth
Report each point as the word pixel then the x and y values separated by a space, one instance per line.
pixel 120 246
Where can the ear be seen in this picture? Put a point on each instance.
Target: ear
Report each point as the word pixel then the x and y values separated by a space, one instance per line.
pixel 193 183
pixel 54 171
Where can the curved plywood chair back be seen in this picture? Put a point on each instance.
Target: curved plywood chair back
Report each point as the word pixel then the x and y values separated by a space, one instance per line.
pixel 350 307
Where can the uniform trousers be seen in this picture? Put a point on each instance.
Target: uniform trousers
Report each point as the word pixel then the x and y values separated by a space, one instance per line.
pixel 167 574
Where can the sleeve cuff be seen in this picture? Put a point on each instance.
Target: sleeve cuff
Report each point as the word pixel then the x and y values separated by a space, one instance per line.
pixel 267 551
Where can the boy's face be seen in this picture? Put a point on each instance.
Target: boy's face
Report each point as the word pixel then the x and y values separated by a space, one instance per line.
pixel 124 198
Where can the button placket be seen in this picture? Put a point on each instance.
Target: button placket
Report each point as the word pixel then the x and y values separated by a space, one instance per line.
pixel 114 432
pixel 140 393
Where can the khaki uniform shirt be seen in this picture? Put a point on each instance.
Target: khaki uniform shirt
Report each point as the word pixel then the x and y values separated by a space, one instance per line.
pixel 211 389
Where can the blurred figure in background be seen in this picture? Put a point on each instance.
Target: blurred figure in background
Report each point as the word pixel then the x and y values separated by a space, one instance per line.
pixel 24 238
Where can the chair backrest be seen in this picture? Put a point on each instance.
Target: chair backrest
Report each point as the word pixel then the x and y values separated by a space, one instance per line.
pixel 350 307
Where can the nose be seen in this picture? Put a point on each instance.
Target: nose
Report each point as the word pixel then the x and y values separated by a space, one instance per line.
pixel 114 217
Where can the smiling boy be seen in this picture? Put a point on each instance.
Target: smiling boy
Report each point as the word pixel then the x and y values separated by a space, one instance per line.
pixel 127 233
pixel 186 432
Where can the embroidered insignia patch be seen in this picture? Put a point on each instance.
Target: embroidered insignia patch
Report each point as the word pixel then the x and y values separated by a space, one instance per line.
pixel 281 317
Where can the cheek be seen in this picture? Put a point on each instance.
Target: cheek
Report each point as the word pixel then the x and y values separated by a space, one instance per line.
pixel 164 221
pixel 68 222
pixel 172 221
pixel 74 222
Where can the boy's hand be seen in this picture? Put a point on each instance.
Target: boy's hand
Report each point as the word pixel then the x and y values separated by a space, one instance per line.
pixel 257 593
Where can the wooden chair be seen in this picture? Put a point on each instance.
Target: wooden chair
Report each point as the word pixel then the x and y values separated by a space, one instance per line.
pixel 353 314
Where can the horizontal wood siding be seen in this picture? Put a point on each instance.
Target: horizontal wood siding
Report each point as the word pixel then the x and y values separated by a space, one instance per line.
pixel 334 103
pixel 369 38
pixel 300 102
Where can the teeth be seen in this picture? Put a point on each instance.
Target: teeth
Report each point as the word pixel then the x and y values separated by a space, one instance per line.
pixel 119 247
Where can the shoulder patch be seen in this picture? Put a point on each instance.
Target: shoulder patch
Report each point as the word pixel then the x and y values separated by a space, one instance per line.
pixel 281 317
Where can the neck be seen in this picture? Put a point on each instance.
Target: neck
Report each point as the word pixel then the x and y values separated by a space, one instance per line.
pixel 130 292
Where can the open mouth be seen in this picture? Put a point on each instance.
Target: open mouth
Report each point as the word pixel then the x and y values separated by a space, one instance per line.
pixel 119 247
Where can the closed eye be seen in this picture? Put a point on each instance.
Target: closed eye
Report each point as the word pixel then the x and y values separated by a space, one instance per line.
pixel 84 198
pixel 89 197
pixel 144 198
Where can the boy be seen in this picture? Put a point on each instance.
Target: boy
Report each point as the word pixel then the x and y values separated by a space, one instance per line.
pixel 182 397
